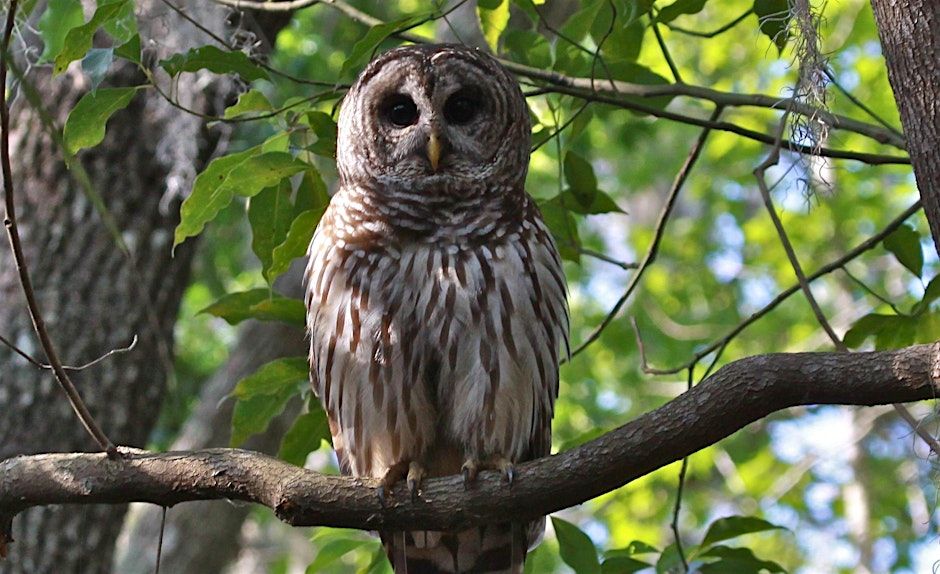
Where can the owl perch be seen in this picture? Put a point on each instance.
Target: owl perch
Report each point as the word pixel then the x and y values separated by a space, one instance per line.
pixel 738 394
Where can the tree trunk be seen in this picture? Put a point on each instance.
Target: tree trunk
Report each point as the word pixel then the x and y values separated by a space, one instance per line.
pixel 91 294
pixel 910 39
pixel 189 547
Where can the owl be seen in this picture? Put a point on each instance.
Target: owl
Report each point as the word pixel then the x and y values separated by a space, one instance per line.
pixel 436 299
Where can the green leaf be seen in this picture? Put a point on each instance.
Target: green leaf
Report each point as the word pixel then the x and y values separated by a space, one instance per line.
pixel 78 40
pixel 678 8
pixel 635 547
pixel 324 128
pixel 493 16
pixel 563 227
pixel 365 47
pixel 96 63
pixel 85 126
pixel 245 173
pixel 215 60
pixel 333 551
pixel 273 377
pixel 638 74
pixel 296 243
pixel 249 102
pixel 130 50
pixel 773 18
pixel 528 47
pixel 669 561
pixel 577 550
pixel 305 435
pixel 737 561
pixel 899 331
pixel 123 26
pixel 252 416
pixel 931 294
pixel 270 214
pixel 734 526
pixel 904 243
pixel 580 177
pixel 259 304
pixel 283 309
pixel 60 17
pixel 600 203
pixel 622 565
pixel 865 327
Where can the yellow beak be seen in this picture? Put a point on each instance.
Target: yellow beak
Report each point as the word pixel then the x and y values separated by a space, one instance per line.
pixel 434 150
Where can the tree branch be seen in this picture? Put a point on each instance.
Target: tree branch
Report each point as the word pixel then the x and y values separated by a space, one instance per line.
pixel 736 395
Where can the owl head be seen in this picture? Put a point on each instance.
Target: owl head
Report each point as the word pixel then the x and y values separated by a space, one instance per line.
pixel 434 117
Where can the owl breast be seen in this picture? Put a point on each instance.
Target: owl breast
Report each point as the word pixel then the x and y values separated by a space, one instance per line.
pixel 432 341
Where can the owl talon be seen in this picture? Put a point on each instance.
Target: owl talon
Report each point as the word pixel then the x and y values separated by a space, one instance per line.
pixel 470 469
pixel 415 477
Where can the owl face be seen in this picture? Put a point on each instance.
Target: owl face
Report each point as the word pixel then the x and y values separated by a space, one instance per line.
pixel 429 116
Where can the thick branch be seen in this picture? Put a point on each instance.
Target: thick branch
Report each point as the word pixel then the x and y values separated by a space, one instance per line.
pixel 738 394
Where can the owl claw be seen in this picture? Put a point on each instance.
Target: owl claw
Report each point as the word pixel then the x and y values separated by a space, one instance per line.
pixel 472 467
pixel 392 476
pixel 469 470
pixel 415 476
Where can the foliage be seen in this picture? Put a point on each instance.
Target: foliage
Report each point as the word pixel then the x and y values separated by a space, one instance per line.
pixel 599 172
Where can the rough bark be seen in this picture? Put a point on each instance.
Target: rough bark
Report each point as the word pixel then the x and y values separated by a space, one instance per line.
pixel 189 547
pixel 910 39
pixel 92 296
pixel 738 394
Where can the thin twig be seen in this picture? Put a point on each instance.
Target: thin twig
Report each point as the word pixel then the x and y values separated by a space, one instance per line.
pixel 680 488
pixel 20 259
pixel 606 258
pixel 872 292
pixel 156 569
pixel 851 255
pixel 616 90
pixel 660 229
pixel 41 365
pixel 860 104
pixel 759 173
pixel 668 57
pixel 717 31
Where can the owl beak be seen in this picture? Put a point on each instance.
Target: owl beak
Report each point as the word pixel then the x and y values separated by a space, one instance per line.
pixel 434 150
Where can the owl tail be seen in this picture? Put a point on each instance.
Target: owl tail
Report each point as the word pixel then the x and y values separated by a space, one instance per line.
pixel 496 548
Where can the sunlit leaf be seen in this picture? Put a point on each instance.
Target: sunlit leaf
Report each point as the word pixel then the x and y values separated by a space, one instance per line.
pixel 577 550
pixel 738 561
pixel 85 126
pixel 493 16
pixel 248 102
pixel 333 551
pixel 365 47
pixel 58 19
pixel 245 173
pixel 273 377
pixel 734 526
pixel 77 41
pixel 215 60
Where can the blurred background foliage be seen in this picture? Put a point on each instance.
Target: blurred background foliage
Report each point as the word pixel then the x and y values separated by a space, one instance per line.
pixel 851 488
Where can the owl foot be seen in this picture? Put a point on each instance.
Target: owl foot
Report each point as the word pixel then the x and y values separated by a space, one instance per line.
pixel 416 474
pixel 472 467
pixel 392 476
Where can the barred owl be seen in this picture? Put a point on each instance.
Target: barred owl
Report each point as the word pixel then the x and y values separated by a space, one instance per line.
pixel 435 295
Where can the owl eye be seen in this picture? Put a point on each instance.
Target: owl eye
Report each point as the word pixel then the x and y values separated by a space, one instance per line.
pixel 461 108
pixel 401 111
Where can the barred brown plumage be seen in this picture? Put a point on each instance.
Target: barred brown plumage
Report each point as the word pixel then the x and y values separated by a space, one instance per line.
pixel 436 299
